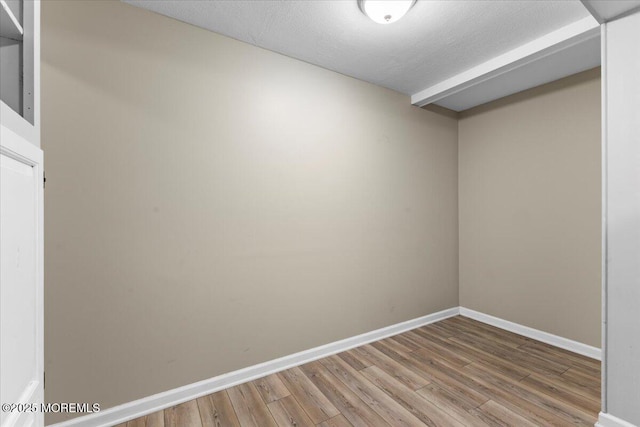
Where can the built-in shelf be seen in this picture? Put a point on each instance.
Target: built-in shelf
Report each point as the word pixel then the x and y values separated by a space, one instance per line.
pixel 18 57
pixel 10 27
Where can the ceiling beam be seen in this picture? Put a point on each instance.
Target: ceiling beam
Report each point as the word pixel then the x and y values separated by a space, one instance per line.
pixel 570 35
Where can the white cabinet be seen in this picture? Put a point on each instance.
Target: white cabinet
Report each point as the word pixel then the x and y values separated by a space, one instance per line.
pixel 21 214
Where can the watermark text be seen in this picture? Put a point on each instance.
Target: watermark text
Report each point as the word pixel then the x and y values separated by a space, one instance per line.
pixel 55 408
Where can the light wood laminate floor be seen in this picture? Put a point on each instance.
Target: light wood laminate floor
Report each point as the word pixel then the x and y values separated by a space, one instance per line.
pixel 457 372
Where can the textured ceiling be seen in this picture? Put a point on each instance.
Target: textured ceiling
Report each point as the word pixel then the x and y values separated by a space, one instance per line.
pixel 434 41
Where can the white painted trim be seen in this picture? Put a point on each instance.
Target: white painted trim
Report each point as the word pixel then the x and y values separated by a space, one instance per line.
pixel 147 405
pixel 30 395
pixel 17 124
pixel 556 41
pixel 605 214
pixel 14 146
pixel 608 420
pixel 535 334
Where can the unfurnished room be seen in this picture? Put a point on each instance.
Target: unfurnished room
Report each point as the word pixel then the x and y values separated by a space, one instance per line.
pixel 331 213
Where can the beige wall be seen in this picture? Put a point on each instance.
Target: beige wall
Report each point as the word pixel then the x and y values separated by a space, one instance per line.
pixel 529 188
pixel 211 205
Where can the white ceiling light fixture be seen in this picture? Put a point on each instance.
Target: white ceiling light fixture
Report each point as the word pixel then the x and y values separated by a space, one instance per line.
pixel 385 11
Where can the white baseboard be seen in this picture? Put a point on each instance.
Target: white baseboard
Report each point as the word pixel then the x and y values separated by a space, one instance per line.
pixel 137 408
pixel 567 344
pixel 608 420
pixel 147 405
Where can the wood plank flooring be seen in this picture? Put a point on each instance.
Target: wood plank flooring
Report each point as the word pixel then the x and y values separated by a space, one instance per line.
pixel 457 372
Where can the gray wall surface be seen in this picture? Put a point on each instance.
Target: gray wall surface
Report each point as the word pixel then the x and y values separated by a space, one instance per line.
pixel 530 208
pixel 211 205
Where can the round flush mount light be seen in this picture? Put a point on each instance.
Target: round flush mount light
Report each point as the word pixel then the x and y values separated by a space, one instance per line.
pixel 385 11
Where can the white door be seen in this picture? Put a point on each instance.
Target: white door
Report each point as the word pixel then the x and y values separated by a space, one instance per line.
pixel 21 281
